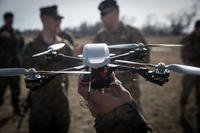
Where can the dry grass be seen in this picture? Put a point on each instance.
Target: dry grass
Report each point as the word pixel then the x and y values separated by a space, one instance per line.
pixel 160 103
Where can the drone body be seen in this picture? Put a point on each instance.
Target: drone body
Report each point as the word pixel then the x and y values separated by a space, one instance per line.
pixel 96 55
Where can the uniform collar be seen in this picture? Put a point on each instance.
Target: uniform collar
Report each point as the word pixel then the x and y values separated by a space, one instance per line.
pixel 40 39
pixel 119 29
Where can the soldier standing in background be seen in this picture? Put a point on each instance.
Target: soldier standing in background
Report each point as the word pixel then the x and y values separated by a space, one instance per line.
pixel 191 56
pixel 11 43
pixel 115 32
pixel 49 104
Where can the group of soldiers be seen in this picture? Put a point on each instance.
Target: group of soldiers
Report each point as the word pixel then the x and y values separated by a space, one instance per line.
pixel 49 104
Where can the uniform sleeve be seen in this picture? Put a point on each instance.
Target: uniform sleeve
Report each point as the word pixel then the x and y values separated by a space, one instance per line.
pixel 190 52
pixel 27 55
pixel 187 50
pixel 100 37
pixel 21 41
pixel 197 45
pixel 68 36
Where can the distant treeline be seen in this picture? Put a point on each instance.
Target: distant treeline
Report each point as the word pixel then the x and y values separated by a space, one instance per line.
pixel 85 29
pixel 177 24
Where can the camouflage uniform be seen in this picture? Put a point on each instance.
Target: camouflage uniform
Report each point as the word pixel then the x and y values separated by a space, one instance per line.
pixel 123 119
pixel 124 34
pixel 68 36
pixel 11 44
pixel 191 56
pixel 49 104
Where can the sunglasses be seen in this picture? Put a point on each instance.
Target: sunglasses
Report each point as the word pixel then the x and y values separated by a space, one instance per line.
pixel 105 13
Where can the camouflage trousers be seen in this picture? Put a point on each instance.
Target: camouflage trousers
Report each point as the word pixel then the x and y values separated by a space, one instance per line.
pixel 188 83
pixel 123 119
pixel 14 83
pixel 131 83
pixel 49 111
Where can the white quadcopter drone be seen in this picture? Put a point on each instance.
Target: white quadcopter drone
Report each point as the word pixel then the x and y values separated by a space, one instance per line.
pixel 97 56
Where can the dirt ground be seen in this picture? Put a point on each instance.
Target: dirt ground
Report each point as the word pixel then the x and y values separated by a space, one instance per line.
pixel 160 103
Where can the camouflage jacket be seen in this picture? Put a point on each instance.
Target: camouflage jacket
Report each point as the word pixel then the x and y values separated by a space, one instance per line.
pixel 68 36
pixel 124 34
pixel 11 43
pixel 191 50
pixel 41 63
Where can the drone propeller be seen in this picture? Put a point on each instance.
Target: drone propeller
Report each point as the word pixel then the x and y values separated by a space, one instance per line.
pixel 4 72
pixel 110 54
pixel 164 45
pixel 50 49
pixel 172 67
pixel 64 72
pixel 135 45
pixel 184 69
pixel 56 46
pixel 81 67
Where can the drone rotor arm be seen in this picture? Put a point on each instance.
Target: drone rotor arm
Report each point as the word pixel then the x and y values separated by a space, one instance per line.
pixel 71 58
pixel 82 67
pixel 121 55
pixel 135 63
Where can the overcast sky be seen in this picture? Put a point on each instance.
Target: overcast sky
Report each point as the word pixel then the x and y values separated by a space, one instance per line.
pixel 77 11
